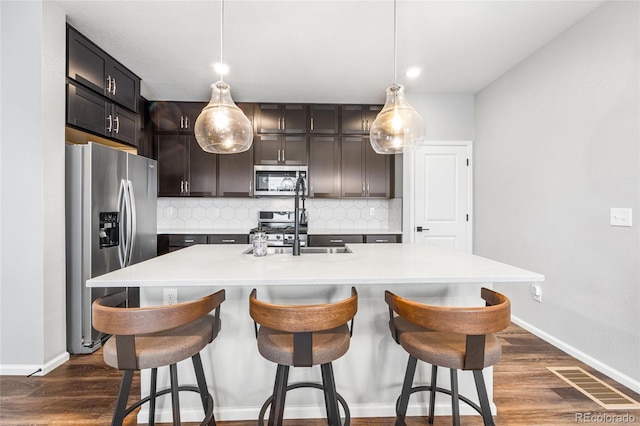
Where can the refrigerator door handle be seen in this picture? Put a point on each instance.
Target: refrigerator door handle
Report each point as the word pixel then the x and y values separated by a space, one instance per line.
pixel 132 221
pixel 122 247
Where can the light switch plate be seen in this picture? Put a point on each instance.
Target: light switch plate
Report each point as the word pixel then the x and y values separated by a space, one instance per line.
pixel 620 217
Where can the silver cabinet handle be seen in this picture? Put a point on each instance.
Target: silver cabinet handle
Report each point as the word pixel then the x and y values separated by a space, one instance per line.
pixel 250 187
pixel 336 241
pixel 364 191
pixel 108 84
pixel 186 186
pixel 228 241
pixel 382 241
pixel 114 86
pixel 188 241
pixel 283 124
pixel 110 125
pixel 186 122
pixel 278 156
pixel 283 157
pixel 367 128
pixel 117 122
pixel 311 123
pixel 182 187
pixel 182 122
pixel 368 193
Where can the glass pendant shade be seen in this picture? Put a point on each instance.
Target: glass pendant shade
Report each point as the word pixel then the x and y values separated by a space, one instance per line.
pixel 222 127
pixel 398 127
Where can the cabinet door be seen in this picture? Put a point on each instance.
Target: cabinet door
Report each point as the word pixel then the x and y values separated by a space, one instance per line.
pixel 370 114
pixel 248 109
pixel 165 116
pixel 377 172
pixel 334 240
pixel 125 126
pixel 353 166
pixel 294 150
pixel 323 119
pixel 125 86
pixel 294 118
pixel 352 117
pixel 190 112
pixel 202 170
pixel 87 110
pixel 324 166
pixel 267 149
pixel 235 174
pixel 86 62
pixel 268 118
pixel 172 156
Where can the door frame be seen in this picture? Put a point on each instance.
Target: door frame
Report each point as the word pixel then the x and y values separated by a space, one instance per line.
pixel 408 191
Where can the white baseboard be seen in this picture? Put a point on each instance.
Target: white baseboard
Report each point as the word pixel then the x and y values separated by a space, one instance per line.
pixel 33 369
pixel 605 369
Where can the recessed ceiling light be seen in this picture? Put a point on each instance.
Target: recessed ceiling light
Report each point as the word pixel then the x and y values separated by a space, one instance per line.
pixel 221 69
pixel 413 72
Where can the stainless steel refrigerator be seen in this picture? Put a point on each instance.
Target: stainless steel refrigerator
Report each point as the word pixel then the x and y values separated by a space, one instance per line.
pixel 110 223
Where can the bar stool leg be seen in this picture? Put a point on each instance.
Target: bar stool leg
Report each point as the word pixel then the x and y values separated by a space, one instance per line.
pixel 330 397
pixel 406 391
pixel 202 384
pixel 432 394
pixel 152 396
pixel 123 397
pixel 484 399
pixel 455 403
pixel 279 394
pixel 175 399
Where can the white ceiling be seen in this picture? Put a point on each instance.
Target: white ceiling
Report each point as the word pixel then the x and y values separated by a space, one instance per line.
pixel 320 51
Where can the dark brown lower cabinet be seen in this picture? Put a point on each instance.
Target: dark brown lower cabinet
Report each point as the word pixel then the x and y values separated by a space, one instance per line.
pixel 334 240
pixel 172 242
pixel 383 238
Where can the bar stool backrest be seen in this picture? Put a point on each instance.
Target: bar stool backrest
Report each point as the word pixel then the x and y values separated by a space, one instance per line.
pixel 474 322
pixel 303 318
pixel 126 323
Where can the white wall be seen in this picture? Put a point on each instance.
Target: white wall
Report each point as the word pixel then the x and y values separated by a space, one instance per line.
pixel 557 145
pixel 32 274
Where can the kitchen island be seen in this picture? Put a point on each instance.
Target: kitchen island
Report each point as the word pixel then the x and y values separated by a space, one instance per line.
pixel 369 376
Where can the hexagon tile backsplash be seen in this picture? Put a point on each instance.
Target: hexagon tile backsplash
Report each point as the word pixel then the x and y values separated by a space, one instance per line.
pixel 242 213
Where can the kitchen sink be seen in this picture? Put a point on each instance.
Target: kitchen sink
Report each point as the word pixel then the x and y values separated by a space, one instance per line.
pixel 304 250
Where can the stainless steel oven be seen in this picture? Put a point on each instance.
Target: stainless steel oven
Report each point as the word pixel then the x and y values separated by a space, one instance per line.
pixel 277 180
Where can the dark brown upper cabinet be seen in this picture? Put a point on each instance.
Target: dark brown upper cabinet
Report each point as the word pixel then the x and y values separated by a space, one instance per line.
pixel 184 169
pixel 235 174
pixel 280 149
pixel 364 172
pixel 281 118
pixel 91 112
pixel 324 166
pixel 175 117
pixel 357 119
pixel 95 69
pixel 247 109
pixel 323 119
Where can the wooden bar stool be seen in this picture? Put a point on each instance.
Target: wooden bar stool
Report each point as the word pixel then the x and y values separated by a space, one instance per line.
pixel 458 338
pixel 303 336
pixel 157 336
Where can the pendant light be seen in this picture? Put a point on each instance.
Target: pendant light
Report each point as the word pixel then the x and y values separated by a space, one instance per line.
pixel 222 127
pixel 398 127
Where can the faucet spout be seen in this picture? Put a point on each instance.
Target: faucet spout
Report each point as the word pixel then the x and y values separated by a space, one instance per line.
pixel 300 190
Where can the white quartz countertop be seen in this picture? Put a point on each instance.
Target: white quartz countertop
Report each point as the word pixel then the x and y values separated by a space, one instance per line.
pixel 368 264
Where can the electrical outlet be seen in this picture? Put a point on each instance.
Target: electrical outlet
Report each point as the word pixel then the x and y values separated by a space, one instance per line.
pixel 170 296
pixel 536 292
pixel 372 211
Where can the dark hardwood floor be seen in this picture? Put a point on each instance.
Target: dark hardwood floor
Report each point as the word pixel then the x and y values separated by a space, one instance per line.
pixel 82 392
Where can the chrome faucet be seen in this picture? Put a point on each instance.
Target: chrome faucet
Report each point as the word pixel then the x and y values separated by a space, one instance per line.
pixel 299 193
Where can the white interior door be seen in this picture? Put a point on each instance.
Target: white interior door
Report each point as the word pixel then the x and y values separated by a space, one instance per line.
pixel 442 196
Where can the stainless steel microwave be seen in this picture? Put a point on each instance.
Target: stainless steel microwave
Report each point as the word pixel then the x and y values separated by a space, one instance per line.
pixel 277 180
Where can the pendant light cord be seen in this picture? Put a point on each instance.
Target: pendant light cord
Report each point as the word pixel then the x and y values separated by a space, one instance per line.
pixel 395 44
pixel 221 38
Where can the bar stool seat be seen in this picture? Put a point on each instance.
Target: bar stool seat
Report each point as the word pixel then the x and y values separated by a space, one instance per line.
pixel 303 336
pixel 327 345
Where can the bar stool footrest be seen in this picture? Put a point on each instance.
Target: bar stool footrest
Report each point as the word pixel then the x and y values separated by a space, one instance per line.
pixel 341 400
pixel 442 390
pixel 208 415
